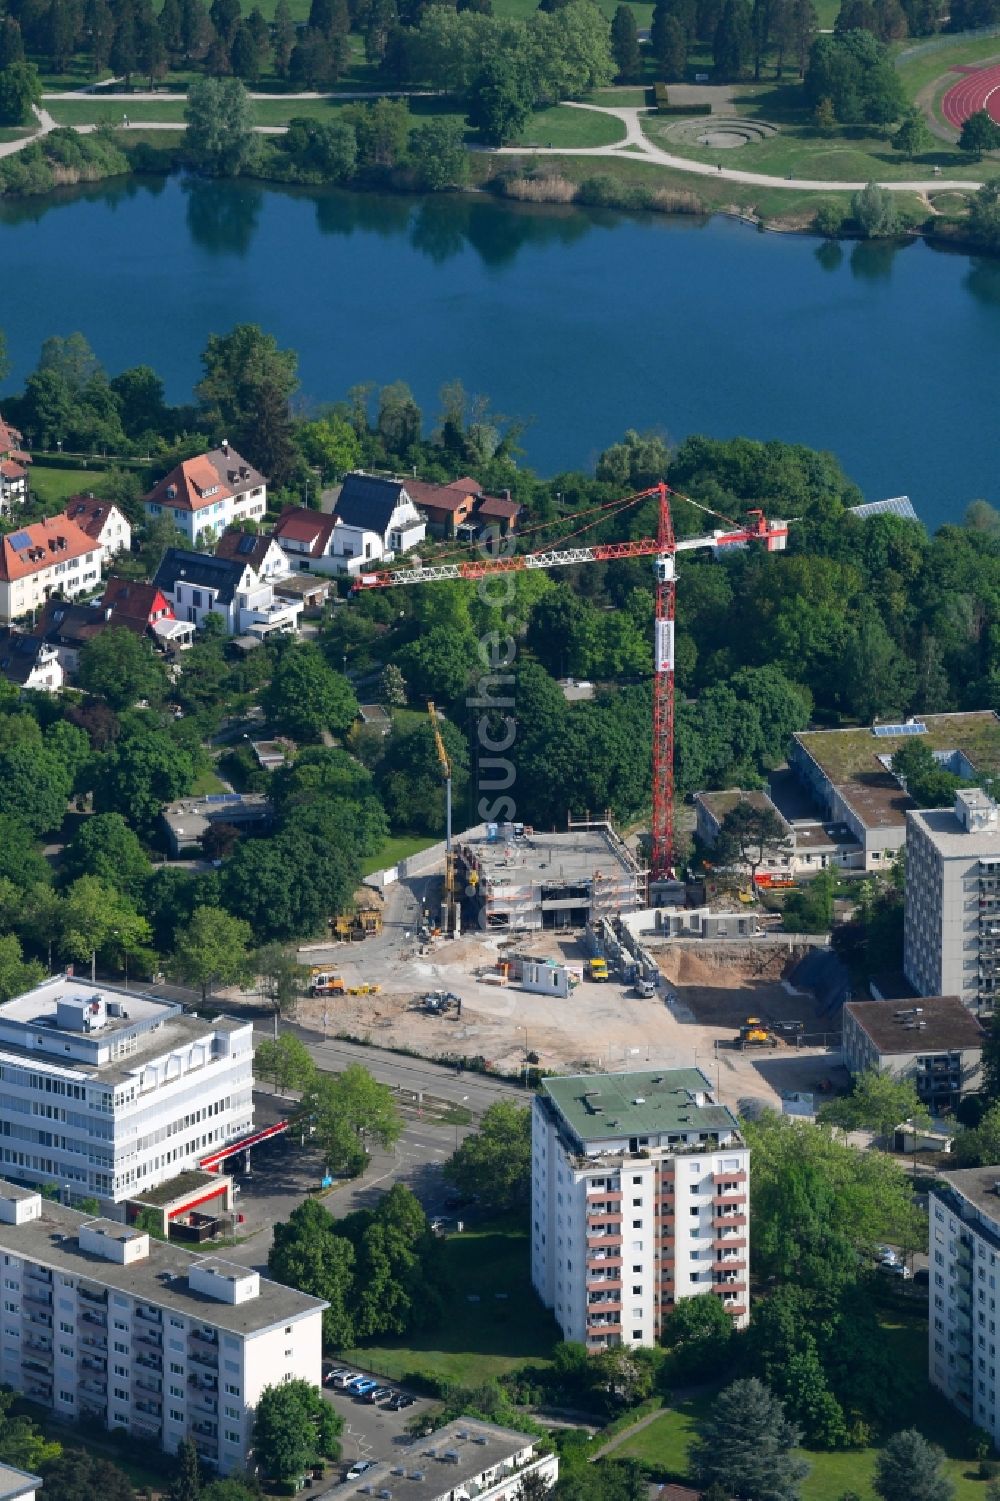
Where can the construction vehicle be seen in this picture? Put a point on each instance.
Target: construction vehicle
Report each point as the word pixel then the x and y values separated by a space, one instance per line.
pixel 449 917
pixel 364 990
pixel 662 548
pixel 354 927
pixel 325 982
pixel 644 988
pixel 754 1033
pixel 597 968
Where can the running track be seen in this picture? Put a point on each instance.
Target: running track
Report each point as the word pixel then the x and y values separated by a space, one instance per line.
pixel 979 89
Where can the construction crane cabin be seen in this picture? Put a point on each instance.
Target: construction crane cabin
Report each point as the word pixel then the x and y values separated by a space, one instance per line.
pixel 663 549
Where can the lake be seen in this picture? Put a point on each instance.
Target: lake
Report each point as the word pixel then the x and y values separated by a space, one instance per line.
pixel 582 323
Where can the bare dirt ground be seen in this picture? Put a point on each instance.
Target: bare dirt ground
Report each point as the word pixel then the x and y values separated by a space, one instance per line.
pixel 692 1020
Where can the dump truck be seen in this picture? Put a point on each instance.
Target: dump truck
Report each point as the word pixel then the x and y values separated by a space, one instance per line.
pixel 597 968
pixel 325 982
pixel 755 1033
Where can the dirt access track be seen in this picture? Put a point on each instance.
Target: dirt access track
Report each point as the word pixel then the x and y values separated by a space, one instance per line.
pixel 692 1020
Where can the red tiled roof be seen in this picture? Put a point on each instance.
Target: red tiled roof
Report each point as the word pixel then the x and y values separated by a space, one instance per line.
pixel 223 473
pixel 299 524
pixel 9 470
pixel 53 540
pixel 10 437
pixel 134 605
pixel 442 497
pixel 497 505
pixel 89 513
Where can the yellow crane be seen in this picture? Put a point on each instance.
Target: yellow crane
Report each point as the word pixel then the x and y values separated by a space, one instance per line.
pixel 450 923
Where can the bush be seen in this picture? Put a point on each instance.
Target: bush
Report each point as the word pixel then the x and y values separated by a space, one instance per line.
pixel 829 220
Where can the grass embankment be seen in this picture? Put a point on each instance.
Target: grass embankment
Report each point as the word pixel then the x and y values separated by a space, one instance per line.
pixel 11 133
pixel 395 850
pixel 560 126
pixel 851 154
pixel 665 1444
pixel 494 1322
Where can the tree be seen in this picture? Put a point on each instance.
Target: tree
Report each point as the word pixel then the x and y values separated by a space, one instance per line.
pixel 20 92
pixel 286 1060
pixel 733 43
pixel 186 1482
pixel 212 950
pixel 104 846
pixel 349 1111
pixel 237 366
pixel 219 116
pixel 746 1446
pixel 928 783
pixel 79 1476
pixel 141 770
pixel 878 1099
pixel 984 215
pixel 283 37
pixel 912 136
pixel 699 1333
pixel 625 44
pixel 979 1146
pixel 245 55
pixel 294 1428
pixel 151 49
pixel 306 697
pixel 268 438
pixel 282 979
pixel 874 209
pixel 34 786
pixel 119 666
pixel 910 1469
pixel 392 686
pixel 501 99
pixel 749 835
pixel 309 1255
pixel 669 43
pixel 330 443
pixel 825 115
pixel 979 133
pixel 493 1164
pixel 437 150
pixel 16 974
pixel 94 917
pixel 11 43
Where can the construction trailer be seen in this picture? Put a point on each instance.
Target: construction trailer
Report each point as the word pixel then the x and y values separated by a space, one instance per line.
pixel 521 880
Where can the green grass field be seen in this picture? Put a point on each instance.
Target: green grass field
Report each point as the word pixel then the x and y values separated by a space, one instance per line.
pixel 560 126
pixel 207 782
pixel 483 1335
pixel 54 485
pixel 395 850
pixel 11 133
pixel 97 111
pixel 919 71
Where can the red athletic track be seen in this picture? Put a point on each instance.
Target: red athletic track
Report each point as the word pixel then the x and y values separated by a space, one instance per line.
pixel 979 89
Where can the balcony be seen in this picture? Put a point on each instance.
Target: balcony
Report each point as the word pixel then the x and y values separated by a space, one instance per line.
pixel 149 1339
pixel 39 1274
pixel 604 1196
pixel 95 1388
pixel 730 1243
pixel 99 1320
pixel 148 1405
pixel 733 1177
pixel 601 1217
pixel 149 1383
pixel 36 1297
pixel 207 1358
pixel 89 1295
pixel 728 1221
pixel 93 1363
pixel 148 1315
pixel 91 1409
pixel 150 1361
pixel 204 1336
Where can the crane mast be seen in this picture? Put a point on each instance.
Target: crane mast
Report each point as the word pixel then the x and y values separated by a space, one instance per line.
pixel 663 549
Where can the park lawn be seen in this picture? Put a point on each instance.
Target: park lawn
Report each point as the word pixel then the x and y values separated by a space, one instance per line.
pixel 14 133
pixel 562 126
pixel 924 68
pixel 520 9
pixel 97 111
pixel 480 1339
pixel 206 782
pixel 850 155
pixel 395 850
pixel 621 98
pixel 54 486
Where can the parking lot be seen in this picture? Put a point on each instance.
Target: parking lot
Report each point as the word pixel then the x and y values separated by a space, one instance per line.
pixel 369 1431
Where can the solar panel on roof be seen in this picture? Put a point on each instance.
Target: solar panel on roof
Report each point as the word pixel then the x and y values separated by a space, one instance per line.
pixel 246 544
pixel 890 731
pixel 20 540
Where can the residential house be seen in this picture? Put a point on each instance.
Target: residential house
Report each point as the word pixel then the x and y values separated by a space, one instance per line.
pixel 639 1197
pixel 936 1042
pixel 207 494
pixel 137 607
pixel 46 558
pixel 102 521
pixel 28 662
pixel 372 521
pixel 13 469
pixel 809 846
pixel 499 511
pixel 447 507
pixel 963 1211
pixel 259 549
pixel 198 585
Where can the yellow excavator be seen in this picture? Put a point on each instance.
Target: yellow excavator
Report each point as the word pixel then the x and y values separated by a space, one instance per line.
pixel 450 918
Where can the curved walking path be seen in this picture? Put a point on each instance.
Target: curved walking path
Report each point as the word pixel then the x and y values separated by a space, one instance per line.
pixel 638 147
pixel 635 147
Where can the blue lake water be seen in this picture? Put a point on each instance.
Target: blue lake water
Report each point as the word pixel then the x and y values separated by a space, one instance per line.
pixel 582 323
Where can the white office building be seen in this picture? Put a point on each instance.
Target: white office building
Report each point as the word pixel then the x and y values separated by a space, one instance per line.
pixel 466 1460
pixel 105 1326
pixel 964 1257
pixel 104 1091
pixel 952 920
pixel 640 1197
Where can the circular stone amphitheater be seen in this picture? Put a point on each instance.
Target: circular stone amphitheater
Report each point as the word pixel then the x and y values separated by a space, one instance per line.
pixel 720 133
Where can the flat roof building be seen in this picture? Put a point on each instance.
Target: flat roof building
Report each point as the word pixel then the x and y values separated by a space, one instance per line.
pixel 640 1197
pixel 936 1042
pixel 466 1460
pixel 104 1325
pixel 848 772
pixel 527 880
pixel 18 1485
pixel 107 1091
pixel 964 1255
pixel 951 933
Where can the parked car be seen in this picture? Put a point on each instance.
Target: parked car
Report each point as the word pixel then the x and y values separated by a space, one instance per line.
pixel 896 1269
pixel 330 1379
pixel 403 1401
pixel 344 1378
pixel 362 1467
pixel 363 1387
pixel 355 1381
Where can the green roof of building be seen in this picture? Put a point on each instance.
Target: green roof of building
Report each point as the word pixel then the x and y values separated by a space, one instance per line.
pixel 652 1102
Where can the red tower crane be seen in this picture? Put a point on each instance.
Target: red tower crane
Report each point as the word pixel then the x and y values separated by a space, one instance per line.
pixel 663 549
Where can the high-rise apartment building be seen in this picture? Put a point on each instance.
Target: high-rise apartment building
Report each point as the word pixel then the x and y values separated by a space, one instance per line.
pixel 107 1092
pixel 952 926
pixel 964 1259
pixel 640 1197
pixel 104 1325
